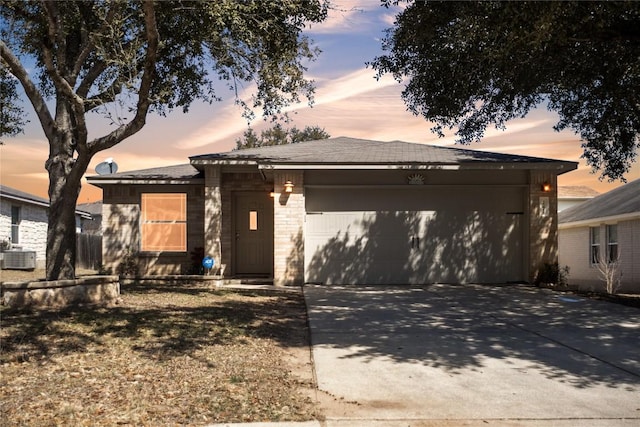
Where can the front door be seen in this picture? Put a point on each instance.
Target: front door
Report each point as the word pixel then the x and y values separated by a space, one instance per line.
pixel 253 234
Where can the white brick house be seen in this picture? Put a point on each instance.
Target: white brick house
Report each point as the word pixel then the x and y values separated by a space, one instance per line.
pixel 606 226
pixel 24 222
pixel 341 210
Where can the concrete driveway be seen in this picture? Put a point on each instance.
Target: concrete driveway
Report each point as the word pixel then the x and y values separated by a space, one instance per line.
pixel 473 355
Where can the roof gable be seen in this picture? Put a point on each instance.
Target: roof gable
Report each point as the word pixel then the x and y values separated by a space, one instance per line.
pixel 619 201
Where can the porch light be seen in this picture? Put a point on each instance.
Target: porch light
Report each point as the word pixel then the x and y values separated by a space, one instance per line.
pixel 288 186
pixel 272 193
pixel 546 187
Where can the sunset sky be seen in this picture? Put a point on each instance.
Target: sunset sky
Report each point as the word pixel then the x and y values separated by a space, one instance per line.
pixel 349 101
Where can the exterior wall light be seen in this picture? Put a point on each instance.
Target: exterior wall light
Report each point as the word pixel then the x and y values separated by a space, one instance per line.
pixel 546 187
pixel 288 186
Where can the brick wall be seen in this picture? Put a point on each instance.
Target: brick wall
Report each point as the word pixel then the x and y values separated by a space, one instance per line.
pixel 33 228
pixel 543 221
pixel 288 228
pixel 121 228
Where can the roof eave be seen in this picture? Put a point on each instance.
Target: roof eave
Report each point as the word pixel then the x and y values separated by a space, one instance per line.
pixel 560 168
pixel 599 220
pixel 99 182
pixel 25 200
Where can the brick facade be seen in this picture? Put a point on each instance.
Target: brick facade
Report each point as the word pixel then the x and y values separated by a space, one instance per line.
pixel 121 229
pixel 543 221
pixel 288 229
pixel 32 229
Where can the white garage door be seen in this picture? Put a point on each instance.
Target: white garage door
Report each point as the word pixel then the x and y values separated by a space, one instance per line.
pixel 411 236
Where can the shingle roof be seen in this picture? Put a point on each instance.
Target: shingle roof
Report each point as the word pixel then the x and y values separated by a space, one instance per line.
pixel 176 172
pixel 12 193
pixel 345 151
pixel 94 208
pixel 576 192
pixel 619 201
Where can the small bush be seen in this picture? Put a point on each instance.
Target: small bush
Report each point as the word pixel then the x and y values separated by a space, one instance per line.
pixel 551 274
pixel 128 267
pixel 102 270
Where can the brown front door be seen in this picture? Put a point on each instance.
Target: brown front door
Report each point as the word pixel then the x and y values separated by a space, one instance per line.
pixel 253 234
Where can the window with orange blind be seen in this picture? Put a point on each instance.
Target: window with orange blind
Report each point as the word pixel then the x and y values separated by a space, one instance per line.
pixel 164 222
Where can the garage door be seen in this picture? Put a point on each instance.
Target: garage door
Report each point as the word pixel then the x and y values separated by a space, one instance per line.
pixel 414 235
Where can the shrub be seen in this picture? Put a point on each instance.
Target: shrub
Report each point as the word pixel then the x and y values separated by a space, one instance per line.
pixel 551 274
pixel 128 267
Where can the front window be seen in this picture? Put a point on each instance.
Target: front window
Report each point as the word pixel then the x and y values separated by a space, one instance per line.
pixel 612 242
pixel 595 244
pixel 15 224
pixel 164 222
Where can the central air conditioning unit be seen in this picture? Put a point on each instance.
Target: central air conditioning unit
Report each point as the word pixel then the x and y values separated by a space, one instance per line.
pixel 19 260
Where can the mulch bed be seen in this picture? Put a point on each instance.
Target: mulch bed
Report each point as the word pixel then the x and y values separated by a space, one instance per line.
pixel 187 355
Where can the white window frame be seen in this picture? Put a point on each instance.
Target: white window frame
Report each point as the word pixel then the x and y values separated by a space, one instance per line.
pixel 594 246
pixel 15 224
pixel 612 242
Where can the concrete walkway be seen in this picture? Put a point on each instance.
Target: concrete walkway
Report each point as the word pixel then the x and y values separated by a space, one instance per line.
pixel 474 355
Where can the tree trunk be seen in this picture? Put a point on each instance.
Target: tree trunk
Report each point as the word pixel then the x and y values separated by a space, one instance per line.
pixel 65 174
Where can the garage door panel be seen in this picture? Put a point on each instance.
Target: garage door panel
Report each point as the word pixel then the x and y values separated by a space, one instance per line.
pixel 466 236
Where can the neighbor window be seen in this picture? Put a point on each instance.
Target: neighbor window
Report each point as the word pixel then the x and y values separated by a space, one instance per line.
pixel 164 222
pixel 15 224
pixel 612 242
pixel 595 244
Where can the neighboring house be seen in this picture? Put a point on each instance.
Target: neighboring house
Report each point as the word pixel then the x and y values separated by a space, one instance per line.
pixel 92 225
pixel 605 227
pixel 24 222
pixel 572 195
pixel 341 210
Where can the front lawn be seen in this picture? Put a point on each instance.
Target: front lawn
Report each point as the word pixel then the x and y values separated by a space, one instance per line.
pixel 163 356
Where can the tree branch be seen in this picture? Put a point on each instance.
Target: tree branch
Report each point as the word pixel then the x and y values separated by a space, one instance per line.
pixel 30 89
pixel 55 35
pixel 148 75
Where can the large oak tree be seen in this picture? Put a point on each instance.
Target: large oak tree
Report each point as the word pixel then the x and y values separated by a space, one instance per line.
pixel 145 56
pixel 469 65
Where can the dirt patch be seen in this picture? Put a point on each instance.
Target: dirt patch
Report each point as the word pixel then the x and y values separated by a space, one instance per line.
pixel 165 355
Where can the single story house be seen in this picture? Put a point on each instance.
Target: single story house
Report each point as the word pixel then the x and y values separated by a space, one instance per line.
pixel 339 211
pixel 572 195
pixel 604 228
pixel 23 226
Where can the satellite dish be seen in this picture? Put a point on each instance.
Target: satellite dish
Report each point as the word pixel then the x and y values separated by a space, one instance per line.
pixel 107 167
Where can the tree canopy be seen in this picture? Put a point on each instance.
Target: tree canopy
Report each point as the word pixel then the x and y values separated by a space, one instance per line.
pixel 277 135
pixel 141 56
pixel 12 119
pixel 469 65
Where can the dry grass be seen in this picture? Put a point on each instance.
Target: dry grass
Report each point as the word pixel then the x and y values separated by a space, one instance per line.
pixel 163 356
pixel 38 274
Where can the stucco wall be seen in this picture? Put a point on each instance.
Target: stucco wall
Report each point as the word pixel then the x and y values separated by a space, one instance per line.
pixel 574 252
pixel 33 228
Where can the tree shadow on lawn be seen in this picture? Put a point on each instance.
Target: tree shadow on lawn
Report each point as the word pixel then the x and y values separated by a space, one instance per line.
pixel 459 328
pixel 159 324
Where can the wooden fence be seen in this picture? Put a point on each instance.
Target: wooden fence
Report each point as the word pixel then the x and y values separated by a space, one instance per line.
pixel 89 247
